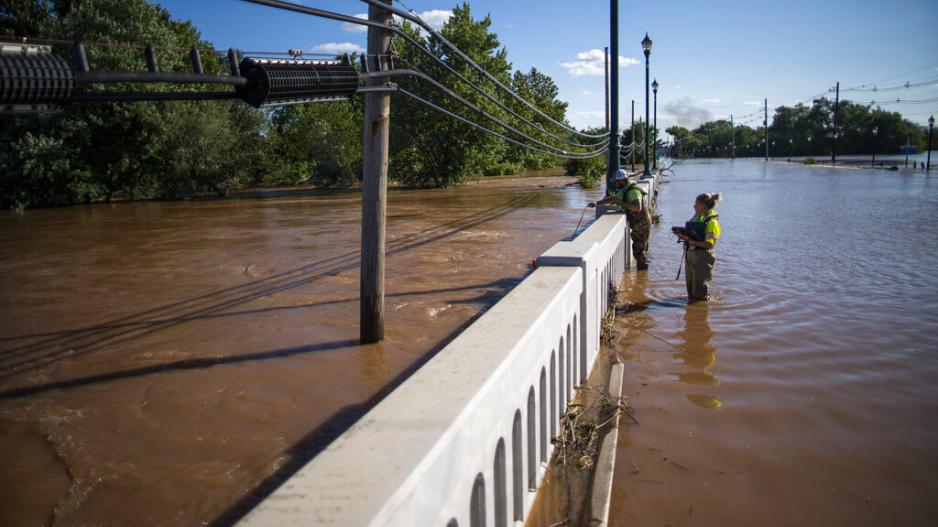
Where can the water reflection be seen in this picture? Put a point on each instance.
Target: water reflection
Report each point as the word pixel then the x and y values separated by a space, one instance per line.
pixel 698 354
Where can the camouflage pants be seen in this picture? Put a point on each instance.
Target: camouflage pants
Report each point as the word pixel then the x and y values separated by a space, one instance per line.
pixel 698 265
pixel 640 228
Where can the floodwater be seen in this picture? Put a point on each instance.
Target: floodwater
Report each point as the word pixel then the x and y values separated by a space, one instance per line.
pixel 169 363
pixel 806 392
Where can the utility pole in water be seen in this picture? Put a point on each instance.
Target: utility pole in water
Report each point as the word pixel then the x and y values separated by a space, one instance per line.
pixel 732 138
pixel 613 163
pixel 765 124
pixel 375 183
pixel 834 137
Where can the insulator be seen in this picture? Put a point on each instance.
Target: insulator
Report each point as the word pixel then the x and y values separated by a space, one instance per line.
pixel 273 82
pixel 33 79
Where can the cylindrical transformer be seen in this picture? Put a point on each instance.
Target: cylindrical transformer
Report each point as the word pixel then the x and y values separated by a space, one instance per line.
pixel 274 82
pixel 33 79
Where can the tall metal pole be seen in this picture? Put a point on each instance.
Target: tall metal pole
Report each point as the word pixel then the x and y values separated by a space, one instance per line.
pixel 765 124
pixel 375 183
pixel 647 51
pixel 613 164
pixel 732 137
pixel 931 124
pixel 633 135
pixel 654 148
pixel 606 86
pixel 834 138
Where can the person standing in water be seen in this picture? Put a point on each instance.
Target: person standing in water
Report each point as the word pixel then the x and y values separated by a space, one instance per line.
pixel 699 259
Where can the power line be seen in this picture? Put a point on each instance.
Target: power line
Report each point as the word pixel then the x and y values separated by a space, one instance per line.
pixel 397 31
pixel 464 102
pixel 489 131
pixel 413 17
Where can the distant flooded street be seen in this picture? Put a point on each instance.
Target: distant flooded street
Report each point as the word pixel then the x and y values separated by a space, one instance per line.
pixel 806 392
pixel 161 363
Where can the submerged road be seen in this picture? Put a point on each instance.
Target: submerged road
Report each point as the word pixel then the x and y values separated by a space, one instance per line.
pixel 805 392
pixel 169 363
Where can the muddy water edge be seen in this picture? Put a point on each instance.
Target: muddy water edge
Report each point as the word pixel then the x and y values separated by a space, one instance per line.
pixel 806 392
pixel 167 363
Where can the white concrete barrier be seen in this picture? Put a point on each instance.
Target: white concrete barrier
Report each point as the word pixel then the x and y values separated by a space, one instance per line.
pixel 602 253
pixel 466 439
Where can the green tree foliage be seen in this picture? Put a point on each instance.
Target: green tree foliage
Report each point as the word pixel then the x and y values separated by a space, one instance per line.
pixel 803 130
pixel 138 150
pixel 590 171
pixel 431 149
pixel 131 150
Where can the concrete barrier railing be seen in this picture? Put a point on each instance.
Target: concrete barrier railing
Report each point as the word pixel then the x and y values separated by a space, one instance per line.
pixel 602 253
pixel 465 440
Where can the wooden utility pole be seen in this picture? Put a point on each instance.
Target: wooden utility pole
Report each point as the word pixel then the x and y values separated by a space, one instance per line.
pixel 732 137
pixel 834 136
pixel 375 182
pixel 765 124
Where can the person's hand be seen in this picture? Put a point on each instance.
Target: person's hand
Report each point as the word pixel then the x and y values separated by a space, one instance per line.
pixel 591 205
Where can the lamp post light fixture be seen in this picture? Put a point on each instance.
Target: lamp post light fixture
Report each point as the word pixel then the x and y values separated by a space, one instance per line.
pixel 875 133
pixel 791 146
pixel 654 127
pixel 646 48
pixel 931 124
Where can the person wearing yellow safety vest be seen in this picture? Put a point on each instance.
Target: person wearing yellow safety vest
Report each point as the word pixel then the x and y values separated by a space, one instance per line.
pixel 698 259
pixel 631 198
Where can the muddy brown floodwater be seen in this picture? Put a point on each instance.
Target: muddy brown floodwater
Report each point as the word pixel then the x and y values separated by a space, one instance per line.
pixel 806 392
pixel 168 363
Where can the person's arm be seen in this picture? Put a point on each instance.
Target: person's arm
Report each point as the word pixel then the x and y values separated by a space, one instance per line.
pixel 635 205
pixel 610 199
pixel 705 244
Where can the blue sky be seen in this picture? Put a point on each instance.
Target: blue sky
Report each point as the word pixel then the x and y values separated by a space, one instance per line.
pixel 711 58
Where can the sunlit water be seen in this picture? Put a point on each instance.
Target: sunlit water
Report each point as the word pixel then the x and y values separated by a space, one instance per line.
pixel 806 391
pixel 169 363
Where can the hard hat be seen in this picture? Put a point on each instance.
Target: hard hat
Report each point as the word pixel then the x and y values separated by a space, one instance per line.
pixel 620 175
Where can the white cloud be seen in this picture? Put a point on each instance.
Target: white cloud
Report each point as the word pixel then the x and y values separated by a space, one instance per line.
pixel 677 86
pixel 594 113
pixel 752 103
pixel 436 17
pixel 338 48
pixel 710 100
pixel 592 63
pixel 585 92
pixel 349 27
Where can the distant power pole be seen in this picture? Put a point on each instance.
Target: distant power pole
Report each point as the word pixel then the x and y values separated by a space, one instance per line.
pixel 613 164
pixel 633 135
pixel 732 137
pixel 765 124
pixel 375 183
pixel 834 137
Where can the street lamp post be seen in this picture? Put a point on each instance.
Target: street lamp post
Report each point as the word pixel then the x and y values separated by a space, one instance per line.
pixel 646 48
pixel 791 147
pixel 931 124
pixel 654 148
pixel 875 132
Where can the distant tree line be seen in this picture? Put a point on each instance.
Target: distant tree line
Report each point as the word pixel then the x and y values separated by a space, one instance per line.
pixel 802 130
pixel 175 150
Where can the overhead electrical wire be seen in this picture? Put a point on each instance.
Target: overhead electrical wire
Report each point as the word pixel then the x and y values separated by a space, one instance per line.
pixel 419 74
pixel 493 132
pixel 288 6
pixel 413 17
